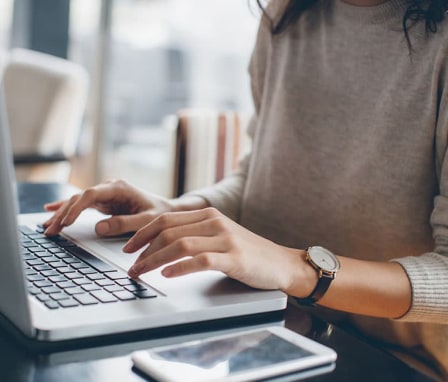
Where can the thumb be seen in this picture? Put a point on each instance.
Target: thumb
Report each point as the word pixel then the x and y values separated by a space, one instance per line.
pixel 121 224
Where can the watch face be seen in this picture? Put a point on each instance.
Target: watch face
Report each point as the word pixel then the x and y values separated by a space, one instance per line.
pixel 324 259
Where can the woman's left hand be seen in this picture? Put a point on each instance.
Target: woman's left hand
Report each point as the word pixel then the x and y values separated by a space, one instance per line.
pixel 207 240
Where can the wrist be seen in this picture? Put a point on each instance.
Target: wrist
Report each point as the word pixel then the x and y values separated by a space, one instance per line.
pixel 188 203
pixel 303 276
pixel 326 264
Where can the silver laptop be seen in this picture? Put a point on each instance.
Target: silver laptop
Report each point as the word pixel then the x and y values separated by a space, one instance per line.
pixel 55 290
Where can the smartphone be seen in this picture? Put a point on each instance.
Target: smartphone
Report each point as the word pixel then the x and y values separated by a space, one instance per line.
pixel 246 355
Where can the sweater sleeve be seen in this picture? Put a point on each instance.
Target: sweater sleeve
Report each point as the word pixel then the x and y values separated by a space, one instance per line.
pixel 428 273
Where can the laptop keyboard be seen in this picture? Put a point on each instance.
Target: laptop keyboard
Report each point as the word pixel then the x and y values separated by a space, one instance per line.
pixel 62 275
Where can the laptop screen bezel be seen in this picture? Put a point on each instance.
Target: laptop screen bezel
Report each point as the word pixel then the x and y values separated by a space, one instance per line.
pixel 14 304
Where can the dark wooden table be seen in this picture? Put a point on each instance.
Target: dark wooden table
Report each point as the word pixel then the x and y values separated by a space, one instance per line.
pixel 108 359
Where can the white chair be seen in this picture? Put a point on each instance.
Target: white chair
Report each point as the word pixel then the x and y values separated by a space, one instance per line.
pixel 46 100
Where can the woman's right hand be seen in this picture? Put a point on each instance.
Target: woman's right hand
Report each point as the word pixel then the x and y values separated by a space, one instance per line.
pixel 130 207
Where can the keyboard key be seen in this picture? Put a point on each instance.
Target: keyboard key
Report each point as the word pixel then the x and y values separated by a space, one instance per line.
pixel 90 287
pixel 117 275
pixel 86 299
pixel 35 277
pixel 66 284
pixel 65 270
pixel 73 275
pixel 42 254
pixel 74 290
pixel 36 236
pixel 126 281
pixel 104 296
pixel 63 255
pixel 145 294
pixel 135 287
pixel 42 297
pixel 50 259
pixel 57 279
pixel 27 257
pixel 49 245
pixel 81 281
pixel 95 276
pixel 77 264
pixel 26 230
pixel 104 282
pixel 43 241
pixel 33 290
pixel 44 267
pixel 71 302
pixel 93 261
pixel 51 289
pixel 114 288
pixel 51 304
pixel 59 264
pixel 43 284
pixel 34 262
pixel 34 249
pixel 87 271
pixel 59 296
pixel 28 243
pixel 124 295
pixel 50 273
pixel 30 271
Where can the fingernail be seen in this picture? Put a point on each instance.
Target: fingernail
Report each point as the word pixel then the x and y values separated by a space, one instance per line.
pixel 128 246
pixel 102 228
pixel 47 232
pixel 133 272
pixel 167 272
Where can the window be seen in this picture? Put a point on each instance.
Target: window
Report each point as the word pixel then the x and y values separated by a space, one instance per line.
pixel 5 22
pixel 163 55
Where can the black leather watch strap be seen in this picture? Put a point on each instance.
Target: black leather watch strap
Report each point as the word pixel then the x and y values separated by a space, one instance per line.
pixel 319 290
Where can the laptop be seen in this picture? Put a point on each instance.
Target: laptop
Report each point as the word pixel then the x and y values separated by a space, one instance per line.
pixel 75 286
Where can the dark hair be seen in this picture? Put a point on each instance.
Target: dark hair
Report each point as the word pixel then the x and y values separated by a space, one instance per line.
pixel 431 12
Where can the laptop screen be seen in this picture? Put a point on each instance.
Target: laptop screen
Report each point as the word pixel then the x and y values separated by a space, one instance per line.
pixel 13 295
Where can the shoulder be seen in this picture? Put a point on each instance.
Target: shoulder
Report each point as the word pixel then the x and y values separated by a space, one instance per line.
pixel 432 47
pixel 276 8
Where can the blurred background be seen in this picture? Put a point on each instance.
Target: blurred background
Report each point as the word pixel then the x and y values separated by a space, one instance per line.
pixel 146 60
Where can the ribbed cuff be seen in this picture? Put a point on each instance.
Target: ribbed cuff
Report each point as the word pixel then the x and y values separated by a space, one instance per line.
pixel 428 275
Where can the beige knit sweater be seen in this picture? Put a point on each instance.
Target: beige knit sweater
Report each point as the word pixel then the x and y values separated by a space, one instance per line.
pixel 349 150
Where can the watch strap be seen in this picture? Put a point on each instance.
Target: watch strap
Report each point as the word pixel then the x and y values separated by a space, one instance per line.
pixel 319 290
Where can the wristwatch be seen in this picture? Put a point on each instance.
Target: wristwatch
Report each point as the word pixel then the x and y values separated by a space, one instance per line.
pixel 326 264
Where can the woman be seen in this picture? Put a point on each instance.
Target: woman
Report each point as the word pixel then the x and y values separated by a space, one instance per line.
pixel 349 141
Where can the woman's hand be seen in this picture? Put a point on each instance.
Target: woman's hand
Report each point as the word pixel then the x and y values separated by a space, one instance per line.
pixel 208 240
pixel 130 207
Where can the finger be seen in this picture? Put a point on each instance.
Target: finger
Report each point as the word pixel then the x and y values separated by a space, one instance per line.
pixel 170 235
pixel 120 224
pixel 54 225
pixel 54 206
pixel 164 222
pixel 91 196
pixel 184 247
pixel 202 262
pixel 49 221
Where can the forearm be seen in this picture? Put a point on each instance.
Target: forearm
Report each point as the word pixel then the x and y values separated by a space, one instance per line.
pixel 189 203
pixel 379 289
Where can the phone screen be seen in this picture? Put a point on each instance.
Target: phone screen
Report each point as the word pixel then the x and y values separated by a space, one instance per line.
pixel 225 356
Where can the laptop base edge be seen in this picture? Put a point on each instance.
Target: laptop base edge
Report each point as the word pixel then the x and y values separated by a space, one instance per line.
pixel 35 345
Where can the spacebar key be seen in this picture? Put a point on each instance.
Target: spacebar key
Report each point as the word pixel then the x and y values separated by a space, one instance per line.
pixel 93 261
